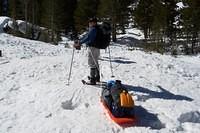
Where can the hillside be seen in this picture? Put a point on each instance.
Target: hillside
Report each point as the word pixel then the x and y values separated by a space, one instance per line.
pixel 35 97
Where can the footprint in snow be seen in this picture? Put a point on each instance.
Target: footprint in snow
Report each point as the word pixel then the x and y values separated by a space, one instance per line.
pixel 68 105
pixel 193 117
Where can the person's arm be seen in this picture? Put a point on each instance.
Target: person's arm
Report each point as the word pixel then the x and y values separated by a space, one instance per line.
pixel 90 37
pixel 84 39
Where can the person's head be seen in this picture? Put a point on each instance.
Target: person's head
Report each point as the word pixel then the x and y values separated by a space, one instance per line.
pixel 92 21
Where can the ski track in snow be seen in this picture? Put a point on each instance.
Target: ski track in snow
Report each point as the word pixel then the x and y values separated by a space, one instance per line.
pixel 35 97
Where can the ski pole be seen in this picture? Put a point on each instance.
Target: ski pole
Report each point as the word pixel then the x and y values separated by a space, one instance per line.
pixel 111 68
pixel 70 70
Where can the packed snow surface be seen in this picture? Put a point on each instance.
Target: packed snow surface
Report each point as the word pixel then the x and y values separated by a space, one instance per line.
pixel 35 96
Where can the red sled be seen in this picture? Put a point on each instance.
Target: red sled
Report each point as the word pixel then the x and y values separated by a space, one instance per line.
pixel 122 121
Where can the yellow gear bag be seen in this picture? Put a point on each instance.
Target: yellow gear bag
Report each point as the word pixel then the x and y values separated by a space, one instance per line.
pixel 126 100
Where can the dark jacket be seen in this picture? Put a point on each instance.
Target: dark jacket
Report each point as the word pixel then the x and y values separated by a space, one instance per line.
pixel 89 38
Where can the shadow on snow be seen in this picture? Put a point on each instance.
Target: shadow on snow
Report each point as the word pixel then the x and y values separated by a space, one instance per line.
pixel 145 118
pixel 162 94
pixel 118 60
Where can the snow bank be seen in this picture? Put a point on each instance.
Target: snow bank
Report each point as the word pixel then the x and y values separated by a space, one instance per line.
pixel 3 21
pixel 132 37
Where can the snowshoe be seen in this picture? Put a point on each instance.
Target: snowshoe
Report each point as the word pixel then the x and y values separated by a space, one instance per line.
pixel 99 84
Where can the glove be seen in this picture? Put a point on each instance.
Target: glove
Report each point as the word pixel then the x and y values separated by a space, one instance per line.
pixel 76 41
pixel 77 46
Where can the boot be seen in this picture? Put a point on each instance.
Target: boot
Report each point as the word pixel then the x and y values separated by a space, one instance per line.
pixel 97 79
pixel 92 76
pixel 97 75
pixel 93 81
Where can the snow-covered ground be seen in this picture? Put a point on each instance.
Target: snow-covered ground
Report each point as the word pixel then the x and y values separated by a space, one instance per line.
pixel 35 97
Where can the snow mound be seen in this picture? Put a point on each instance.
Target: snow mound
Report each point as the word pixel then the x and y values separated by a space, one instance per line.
pixel 193 116
pixel 3 21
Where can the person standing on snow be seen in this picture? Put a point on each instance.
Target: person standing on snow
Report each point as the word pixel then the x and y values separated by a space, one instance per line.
pixel 93 53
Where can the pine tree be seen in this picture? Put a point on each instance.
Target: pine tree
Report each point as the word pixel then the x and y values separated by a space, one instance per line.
pixel 117 11
pixel 85 9
pixel 48 17
pixel 107 11
pixel 4 7
pixel 143 16
pixel 172 13
pixel 1 8
pixel 47 14
pixel 191 23
pixel 123 14
pixel 64 15
pixel 16 9
pixel 159 21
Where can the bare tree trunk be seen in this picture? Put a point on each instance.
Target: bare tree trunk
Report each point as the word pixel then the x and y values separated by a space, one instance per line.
pixel 145 35
pixel 26 15
pixel 114 38
pixel 52 22
pixel 33 19
pixel 14 12
pixel 194 40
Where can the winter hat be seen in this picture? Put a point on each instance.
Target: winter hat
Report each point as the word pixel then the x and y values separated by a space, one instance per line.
pixel 92 19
